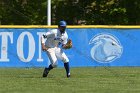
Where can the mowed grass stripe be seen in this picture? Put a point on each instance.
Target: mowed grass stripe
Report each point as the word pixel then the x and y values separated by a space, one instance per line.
pixel 83 80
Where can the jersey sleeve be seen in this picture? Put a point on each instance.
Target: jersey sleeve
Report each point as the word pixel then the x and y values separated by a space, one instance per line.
pixel 43 39
pixel 65 40
pixel 46 35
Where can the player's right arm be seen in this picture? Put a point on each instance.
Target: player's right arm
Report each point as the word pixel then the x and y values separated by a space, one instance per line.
pixel 43 44
pixel 43 40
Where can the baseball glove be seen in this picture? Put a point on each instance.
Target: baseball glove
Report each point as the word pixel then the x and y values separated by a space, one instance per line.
pixel 68 45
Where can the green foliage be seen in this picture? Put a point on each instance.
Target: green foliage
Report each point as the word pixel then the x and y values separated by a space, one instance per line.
pixel 23 12
pixel 90 12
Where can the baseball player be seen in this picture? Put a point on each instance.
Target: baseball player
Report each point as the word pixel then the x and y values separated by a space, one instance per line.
pixel 53 42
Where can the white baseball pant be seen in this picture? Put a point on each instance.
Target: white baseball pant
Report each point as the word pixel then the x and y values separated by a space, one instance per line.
pixel 56 53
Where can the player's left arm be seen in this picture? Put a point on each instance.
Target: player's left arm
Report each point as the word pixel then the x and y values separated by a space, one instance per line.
pixel 67 45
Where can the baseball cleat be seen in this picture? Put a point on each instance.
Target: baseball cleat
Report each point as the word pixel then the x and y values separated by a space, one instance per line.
pixel 68 75
pixel 45 73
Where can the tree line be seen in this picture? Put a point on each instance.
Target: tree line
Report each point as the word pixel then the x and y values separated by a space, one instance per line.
pixel 75 12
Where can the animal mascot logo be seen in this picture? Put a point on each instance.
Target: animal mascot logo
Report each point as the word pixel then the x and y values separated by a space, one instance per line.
pixel 106 48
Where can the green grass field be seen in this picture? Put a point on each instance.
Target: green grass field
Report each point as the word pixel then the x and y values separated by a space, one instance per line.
pixel 83 80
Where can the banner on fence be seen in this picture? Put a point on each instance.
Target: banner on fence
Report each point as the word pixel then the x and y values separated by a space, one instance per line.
pixel 91 47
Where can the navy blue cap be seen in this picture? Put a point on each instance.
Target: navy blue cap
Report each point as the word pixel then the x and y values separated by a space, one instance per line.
pixel 62 23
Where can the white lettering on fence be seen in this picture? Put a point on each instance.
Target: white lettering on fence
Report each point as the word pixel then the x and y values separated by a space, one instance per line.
pixel 4 45
pixel 39 52
pixel 31 46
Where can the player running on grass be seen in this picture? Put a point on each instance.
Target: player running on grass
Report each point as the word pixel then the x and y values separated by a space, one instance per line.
pixel 53 42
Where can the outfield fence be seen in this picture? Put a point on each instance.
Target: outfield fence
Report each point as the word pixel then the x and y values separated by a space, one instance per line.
pixel 92 46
